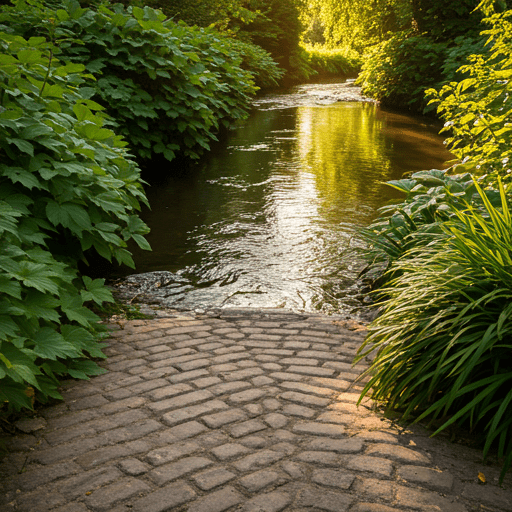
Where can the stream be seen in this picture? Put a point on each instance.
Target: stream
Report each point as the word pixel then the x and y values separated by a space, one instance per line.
pixel 270 217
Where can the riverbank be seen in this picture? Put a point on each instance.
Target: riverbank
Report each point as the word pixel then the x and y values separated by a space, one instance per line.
pixel 238 409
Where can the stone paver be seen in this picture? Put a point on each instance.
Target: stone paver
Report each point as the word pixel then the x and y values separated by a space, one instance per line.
pixel 233 410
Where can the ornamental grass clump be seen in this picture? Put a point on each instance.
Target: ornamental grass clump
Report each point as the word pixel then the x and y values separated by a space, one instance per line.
pixel 444 336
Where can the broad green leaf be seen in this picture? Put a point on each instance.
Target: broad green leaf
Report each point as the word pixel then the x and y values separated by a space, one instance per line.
pixel 8 327
pixel 72 306
pixel 26 178
pixel 142 242
pixel 10 287
pixel 96 291
pixel 14 393
pixel 30 56
pixel 22 145
pixel 49 344
pixel 38 276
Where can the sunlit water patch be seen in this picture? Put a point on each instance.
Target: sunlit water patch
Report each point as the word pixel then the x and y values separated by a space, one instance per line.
pixel 270 218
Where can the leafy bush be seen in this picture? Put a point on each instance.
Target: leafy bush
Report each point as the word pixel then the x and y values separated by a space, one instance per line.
pixel 341 62
pixel 168 86
pixel 477 109
pixel 264 70
pixel 457 55
pixel 444 334
pixel 398 71
pixel 430 200
pixel 67 187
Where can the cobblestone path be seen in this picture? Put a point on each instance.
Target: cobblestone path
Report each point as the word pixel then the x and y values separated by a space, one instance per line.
pixel 247 410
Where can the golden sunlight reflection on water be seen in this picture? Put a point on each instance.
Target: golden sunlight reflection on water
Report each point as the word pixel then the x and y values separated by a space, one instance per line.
pixel 270 217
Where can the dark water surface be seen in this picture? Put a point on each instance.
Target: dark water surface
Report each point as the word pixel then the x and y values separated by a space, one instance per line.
pixel 269 218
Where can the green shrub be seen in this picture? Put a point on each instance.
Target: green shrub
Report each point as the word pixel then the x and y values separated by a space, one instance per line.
pixel 168 86
pixel 477 110
pixel 430 200
pixel 341 62
pixel 67 187
pixel 254 59
pixel 445 329
pixel 398 71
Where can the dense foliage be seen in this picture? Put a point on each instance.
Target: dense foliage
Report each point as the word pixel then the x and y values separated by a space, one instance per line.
pixel 272 25
pixel 445 327
pixel 324 62
pixel 477 110
pixel 443 334
pixel 407 45
pixel 67 187
pixel 169 87
pixel 399 69
pixel 357 24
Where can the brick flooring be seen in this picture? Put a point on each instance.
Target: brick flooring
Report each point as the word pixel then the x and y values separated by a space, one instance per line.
pixel 246 410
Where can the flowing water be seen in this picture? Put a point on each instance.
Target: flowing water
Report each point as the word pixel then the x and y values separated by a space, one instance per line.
pixel 270 217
